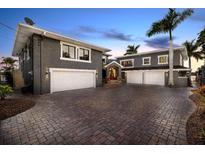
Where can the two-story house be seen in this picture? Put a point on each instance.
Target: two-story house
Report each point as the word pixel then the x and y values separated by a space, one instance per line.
pixel 149 67
pixel 50 62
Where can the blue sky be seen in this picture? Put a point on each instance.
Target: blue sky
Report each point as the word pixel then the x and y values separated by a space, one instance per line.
pixel 111 28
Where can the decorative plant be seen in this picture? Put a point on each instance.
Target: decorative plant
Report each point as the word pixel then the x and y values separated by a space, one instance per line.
pixel 5 90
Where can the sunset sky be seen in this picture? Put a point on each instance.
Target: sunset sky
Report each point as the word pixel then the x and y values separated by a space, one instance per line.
pixel 111 28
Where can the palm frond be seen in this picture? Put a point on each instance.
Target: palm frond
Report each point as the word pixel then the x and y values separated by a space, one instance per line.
pixel 192 47
pixel 180 17
pixel 131 49
pixel 160 26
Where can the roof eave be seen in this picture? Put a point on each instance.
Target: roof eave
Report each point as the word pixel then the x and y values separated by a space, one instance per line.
pixel 46 33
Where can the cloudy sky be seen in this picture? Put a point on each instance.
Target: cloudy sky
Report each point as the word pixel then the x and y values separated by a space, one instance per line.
pixel 111 28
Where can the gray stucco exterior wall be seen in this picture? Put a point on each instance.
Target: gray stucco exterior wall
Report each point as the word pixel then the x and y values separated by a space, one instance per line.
pixel 154 59
pixel 178 81
pixel 26 66
pixel 36 64
pixel 47 55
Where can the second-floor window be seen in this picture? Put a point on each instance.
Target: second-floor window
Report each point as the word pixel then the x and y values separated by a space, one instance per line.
pixel 69 51
pixel 163 59
pixel 127 63
pixel 75 53
pixel 83 54
pixel 146 60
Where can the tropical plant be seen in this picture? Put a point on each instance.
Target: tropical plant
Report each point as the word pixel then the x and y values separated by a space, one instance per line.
pixel 4 91
pixel 191 51
pixel 166 25
pixel 9 63
pixel 201 40
pixel 132 49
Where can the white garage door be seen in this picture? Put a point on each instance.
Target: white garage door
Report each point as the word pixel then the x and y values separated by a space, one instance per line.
pixel 154 77
pixel 69 79
pixel 135 77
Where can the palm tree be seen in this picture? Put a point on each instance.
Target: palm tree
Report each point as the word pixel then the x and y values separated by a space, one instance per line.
pixel 201 40
pixel 191 51
pixel 9 63
pixel 166 25
pixel 132 49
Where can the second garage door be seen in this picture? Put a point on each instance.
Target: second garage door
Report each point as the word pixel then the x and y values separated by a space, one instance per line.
pixel 69 79
pixel 154 77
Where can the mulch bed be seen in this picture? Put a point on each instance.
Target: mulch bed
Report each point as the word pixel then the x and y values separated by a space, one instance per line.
pixel 196 122
pixel 11 107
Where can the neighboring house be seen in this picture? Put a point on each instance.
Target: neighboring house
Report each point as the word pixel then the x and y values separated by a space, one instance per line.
pixel 50 62
pixel 149 68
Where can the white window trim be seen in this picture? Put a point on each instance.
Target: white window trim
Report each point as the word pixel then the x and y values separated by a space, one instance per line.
pixel 146 58
pixel 85 49
pixel 163 56
pixel 76 53
pixel 104 57
pixel 127 60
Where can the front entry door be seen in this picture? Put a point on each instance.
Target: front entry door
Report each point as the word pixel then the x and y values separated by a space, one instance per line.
pixel 113 73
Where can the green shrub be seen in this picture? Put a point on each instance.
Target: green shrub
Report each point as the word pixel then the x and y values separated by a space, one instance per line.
pixel 4 91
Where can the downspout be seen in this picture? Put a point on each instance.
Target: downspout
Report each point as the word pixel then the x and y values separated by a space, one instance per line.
pixel 41 40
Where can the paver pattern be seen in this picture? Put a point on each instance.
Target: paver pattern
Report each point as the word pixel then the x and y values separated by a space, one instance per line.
pixel 129 114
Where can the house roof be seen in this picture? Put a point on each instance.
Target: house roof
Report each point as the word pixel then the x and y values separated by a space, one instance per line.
pixel 113 62
pixel 24 31
pixel 182 48
pixel 107 54
pixel 155 68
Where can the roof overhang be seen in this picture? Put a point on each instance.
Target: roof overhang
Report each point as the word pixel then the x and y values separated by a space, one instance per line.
pixel 25 31
pixel 113 62
pixel 182 49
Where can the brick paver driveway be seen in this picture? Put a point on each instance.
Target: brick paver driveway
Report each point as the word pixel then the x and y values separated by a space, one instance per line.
pixel 130 114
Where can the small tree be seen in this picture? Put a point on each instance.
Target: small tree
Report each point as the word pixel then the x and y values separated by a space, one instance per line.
pixel 5 90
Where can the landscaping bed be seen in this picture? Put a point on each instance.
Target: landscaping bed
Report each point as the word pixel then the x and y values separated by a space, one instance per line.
pixel 11 107
pixel 196 122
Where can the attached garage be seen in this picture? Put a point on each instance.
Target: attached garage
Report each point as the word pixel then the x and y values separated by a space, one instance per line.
pixel 70 79
pixel 146 77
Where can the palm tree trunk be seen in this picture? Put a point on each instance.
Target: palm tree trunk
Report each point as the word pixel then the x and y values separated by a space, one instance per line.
pixel 171 53
pixel 190 62
pixel 189 76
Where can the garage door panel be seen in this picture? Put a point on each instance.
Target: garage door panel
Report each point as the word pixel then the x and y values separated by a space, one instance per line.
pixel 69 80
pixel 134 77
pixel 154 78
